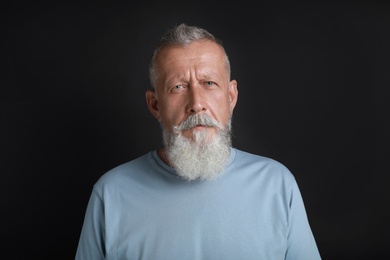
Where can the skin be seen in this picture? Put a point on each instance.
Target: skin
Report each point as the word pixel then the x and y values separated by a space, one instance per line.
pixel 192 80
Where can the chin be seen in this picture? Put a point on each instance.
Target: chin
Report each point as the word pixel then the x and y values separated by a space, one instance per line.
pixel 202 136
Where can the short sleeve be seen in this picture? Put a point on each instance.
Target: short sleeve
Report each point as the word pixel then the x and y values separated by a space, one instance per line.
pixel 301 244
pixel 91 242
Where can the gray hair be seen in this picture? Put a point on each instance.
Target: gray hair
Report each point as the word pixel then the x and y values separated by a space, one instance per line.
pixel 182 35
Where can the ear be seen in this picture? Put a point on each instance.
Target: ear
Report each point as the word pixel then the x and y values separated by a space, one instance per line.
pixel 152 102
pixel 233 94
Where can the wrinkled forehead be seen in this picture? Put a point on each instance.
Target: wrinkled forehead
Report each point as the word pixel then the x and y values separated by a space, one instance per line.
pixel 206 60
pixel 196 50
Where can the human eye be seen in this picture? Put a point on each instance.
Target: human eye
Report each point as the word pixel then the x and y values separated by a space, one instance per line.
pixel 177 88
pixel 209 84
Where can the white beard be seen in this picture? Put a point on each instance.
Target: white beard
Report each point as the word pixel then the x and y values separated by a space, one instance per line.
pixel 198 157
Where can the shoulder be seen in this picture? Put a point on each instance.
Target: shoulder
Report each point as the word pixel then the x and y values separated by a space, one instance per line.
pixel 126 172
pixel 258 160
pixel 262 165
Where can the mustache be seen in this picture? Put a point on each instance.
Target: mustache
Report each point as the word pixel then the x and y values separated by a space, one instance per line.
pixel 195 120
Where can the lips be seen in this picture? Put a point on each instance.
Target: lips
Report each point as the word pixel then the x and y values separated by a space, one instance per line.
pixel 200 126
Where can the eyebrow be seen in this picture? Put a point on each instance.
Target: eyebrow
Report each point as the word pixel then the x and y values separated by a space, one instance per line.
pixel 201 75
pixel 208 74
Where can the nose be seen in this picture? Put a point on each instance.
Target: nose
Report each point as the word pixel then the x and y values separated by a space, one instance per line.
pixel 196 100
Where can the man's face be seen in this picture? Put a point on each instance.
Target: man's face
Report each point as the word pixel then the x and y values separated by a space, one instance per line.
pixel 192 80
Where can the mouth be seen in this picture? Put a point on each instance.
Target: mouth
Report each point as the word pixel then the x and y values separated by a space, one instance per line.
pixel 204 125
pixel 199 127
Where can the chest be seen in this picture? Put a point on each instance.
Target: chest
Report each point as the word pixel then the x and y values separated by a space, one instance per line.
pixel 206 224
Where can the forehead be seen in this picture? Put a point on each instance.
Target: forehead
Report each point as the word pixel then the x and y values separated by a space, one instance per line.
pixel 200 52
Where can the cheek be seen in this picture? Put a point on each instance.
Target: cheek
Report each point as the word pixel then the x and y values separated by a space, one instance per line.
pixel 220 108
pixel 170 116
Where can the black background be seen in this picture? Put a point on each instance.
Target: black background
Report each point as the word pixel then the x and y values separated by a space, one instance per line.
pixel 313 94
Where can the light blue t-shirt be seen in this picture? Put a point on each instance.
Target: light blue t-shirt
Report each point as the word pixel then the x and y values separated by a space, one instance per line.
pixel 143 210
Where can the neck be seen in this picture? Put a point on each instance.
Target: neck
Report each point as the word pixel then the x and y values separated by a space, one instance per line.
pixel 163 156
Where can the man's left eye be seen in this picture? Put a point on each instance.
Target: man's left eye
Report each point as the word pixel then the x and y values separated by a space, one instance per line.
pixel 209 83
